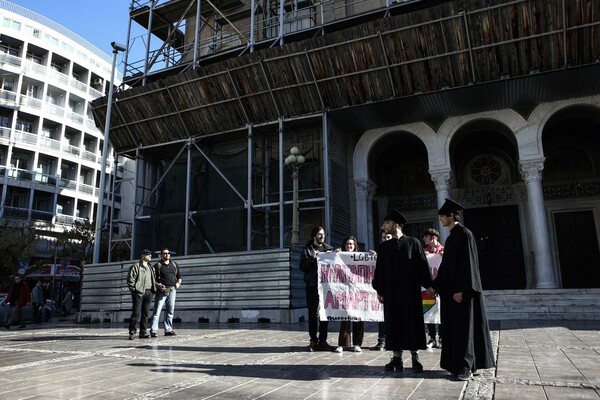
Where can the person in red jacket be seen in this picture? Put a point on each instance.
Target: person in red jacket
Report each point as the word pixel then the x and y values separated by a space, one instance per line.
pixel 18 297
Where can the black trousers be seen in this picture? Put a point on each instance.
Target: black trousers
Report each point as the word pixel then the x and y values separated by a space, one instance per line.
pixel 140 311
pixel 312 302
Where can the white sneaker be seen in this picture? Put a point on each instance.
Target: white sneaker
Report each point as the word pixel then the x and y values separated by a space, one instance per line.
pixel 356 348
pixel 338 349
pixel 431 343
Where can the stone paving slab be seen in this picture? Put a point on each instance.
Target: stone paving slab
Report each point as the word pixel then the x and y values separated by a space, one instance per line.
pixel 536 360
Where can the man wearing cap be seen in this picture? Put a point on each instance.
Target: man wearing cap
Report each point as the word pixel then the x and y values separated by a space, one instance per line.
pixel 141 283
pixel 400 272
pixel 467 344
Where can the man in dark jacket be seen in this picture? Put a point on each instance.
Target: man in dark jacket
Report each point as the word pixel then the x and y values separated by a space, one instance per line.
pixel 467 343
pixel 308 265
pixel 400 272
pixel 18 297
pixel 142 285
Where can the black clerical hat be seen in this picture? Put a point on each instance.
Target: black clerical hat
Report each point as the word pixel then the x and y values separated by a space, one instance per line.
pixel 394 215
pixel 450 207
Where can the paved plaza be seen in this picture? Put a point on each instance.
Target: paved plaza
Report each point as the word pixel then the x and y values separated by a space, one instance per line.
pixel 536 360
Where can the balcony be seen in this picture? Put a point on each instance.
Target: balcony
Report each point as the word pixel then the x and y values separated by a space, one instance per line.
pixel 45 179
pixel 90 123
pixel 54 110
pixel 88 155
pixel 42 215
pixel 95 93
pixel 37 68
pixel 25 137
pixel 75 117
pixel 20 174
pixel 31 102
pixel 11 60
pixel 82 87
pixel 60 77
pixel 64 219
pixel 16 212
pixel 50 143
pixel 67 148
pixel 68 184
pixel 8 98
pixel 4 135
pixel 87 189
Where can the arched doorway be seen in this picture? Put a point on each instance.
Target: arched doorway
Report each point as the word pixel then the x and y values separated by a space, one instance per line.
pixel 484 158
pixel 399 168
pixel 572 191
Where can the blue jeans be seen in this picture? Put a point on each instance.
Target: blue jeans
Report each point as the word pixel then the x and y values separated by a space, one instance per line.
pixel 168 301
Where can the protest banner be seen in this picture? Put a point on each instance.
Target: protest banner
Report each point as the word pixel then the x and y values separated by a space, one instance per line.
pixel 431 304
pixel 345 289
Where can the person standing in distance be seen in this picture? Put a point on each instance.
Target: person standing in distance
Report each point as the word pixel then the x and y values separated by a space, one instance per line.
pixel 400 271
pixel 308 265
pixel 142 285
pixel 467 344
pixel 432 246
pixel 168 280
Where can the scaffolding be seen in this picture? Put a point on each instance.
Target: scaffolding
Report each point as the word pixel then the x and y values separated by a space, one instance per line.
pixel 202 94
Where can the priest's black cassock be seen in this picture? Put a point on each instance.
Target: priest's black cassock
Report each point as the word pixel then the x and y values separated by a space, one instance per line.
pixel 400 272
pixel 464 326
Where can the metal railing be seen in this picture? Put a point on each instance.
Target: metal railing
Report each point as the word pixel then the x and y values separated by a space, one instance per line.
pixel 12 60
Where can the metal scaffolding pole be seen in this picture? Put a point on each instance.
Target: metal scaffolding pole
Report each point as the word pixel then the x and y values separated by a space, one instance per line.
pixel 188 190
pixel 326 176
pixel 249 194
pixel 281 220
pixel 150 17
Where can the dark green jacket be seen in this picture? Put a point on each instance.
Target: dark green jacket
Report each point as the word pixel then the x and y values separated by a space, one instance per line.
pixel 135 278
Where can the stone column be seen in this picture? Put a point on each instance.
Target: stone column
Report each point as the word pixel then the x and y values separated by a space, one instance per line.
pixel 442 180
pixel 365 189
pixel 531 172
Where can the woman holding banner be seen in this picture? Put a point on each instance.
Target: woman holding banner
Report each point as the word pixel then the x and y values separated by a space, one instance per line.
pixel 351 332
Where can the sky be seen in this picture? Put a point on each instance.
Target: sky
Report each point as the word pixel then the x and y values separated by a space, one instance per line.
pixel 99 22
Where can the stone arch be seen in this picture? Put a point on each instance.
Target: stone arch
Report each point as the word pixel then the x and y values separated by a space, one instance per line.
pixel 364 185
pixel 571 178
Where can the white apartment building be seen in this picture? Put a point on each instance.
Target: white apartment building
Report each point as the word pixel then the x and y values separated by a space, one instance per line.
pixel 50 147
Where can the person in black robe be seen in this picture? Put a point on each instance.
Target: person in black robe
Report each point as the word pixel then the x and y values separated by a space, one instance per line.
pixel 400 272
pixel 467 344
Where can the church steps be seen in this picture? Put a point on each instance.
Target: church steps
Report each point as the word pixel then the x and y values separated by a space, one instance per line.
pixel 543 304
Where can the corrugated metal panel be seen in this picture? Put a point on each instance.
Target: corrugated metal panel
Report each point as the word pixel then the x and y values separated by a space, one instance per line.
pixel 267 279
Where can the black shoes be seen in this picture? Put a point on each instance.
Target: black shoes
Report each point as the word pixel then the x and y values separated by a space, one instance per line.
pixel 465 374
pixel 395 365
pixel 380 346
pixel 416 365
pixel 172 333
pixel 324 346
pixel 144 336
pixel 153 334
pixel 312 346
pixel 131 335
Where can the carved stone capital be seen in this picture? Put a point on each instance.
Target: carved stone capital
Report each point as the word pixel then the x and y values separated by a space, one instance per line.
pixel 365 188
pixel 441 179
pixel 531 171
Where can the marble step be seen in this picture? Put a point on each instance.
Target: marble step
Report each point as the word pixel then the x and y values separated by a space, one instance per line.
pixel 545 304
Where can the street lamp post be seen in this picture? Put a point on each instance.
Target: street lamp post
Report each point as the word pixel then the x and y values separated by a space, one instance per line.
pixel 99 217
pixel 295 161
